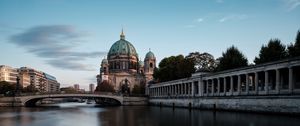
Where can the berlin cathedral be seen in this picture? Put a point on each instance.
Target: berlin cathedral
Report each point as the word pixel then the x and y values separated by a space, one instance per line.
pixel 123 66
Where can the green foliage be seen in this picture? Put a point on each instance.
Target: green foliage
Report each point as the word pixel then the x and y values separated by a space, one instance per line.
pixel 7 88
pixel 174 67
pixel 203 61
pixel 232 58
pixel 294 49
pixel 30 89
pixel 138 89
pixel 272 52
pixel 105 87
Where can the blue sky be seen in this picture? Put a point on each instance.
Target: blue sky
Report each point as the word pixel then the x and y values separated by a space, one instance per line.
pixel 69 38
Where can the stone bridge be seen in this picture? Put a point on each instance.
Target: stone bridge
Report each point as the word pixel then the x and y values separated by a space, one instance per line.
pixel 31 100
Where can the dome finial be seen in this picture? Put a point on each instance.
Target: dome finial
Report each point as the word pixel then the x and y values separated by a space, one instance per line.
pixel 122 36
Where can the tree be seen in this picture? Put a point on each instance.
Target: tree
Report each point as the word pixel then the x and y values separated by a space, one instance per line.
pixel 105 87
pixel 7 88
pixel 139 88
pixel 232 58
pixel 30 89
pixel 272 52
pixel 174 67
pixel 294 49
pixel 203 61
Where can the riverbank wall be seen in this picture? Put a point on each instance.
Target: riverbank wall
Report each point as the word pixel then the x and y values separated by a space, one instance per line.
pixel 262 104
pixel 10 102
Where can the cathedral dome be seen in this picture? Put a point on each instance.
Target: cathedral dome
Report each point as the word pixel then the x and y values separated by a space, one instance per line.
pixel 122 47
pixel 150 55
pixel 141 63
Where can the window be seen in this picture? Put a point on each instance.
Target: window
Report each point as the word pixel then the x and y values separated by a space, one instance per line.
pixel 151 65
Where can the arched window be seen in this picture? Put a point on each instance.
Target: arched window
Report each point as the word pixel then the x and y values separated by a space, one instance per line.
pixel 151 65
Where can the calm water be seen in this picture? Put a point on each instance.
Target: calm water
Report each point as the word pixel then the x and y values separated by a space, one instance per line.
pixel 81 114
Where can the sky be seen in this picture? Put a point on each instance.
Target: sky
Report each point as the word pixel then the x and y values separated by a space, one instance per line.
pixel 69 38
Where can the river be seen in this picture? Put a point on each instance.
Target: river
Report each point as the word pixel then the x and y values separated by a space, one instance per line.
pixel 82 114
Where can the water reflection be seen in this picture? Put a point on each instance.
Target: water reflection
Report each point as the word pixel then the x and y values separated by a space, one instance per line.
pixel 88 115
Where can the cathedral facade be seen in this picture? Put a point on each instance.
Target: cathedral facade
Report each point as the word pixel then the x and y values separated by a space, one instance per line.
pixel 123 66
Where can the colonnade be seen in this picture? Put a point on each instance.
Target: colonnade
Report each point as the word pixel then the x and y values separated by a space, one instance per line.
pixel 271 79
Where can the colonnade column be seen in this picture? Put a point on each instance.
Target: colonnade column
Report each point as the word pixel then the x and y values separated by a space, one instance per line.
pixel 247 84
pixel 212 87
pixel 239 84
pixel 291 86
pixel 256 83
pixel 193 89
pixel 218 82
pixel 207 93
pixel 225 83
pixel 231 85
pixel 277 81
pixel 200 88
pixel 267 82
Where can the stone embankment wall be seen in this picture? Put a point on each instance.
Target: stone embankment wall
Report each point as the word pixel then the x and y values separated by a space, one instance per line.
pixel 268 104
pixel 10 102
pixel 135 101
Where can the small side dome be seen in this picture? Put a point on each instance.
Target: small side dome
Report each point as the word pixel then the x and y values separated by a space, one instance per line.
pixel 104 61
pixel 141 63
pixel 150 55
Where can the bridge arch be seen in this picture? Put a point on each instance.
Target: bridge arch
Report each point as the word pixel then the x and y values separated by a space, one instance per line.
pixel 100 99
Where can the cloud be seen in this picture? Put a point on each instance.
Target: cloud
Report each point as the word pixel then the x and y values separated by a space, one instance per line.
pixel 233 17
pixel 70 64
pixel 220 1
pixel 56 43
pixel 190 26
pixel 200 19
pixel 291 4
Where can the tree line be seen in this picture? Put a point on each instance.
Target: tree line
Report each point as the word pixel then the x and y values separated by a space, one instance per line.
pixel 177 67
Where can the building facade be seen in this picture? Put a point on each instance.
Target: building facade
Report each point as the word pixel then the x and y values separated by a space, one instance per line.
pixel 8 74
pixel 76 87
pixel 24 77
pixel 51 83
pixel 92 88
pixel 123 67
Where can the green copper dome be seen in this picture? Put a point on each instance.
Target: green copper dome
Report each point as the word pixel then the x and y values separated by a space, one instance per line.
pixel 141 63
pixel 122 47
pixel 150 55
pixel 104 61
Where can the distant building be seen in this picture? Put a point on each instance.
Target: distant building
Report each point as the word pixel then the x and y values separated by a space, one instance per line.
pixel 28 76
pixel 8 74
pixel 52 84
pixel 24 77
pixel 37 78
pixel 92 88
pixel 76 87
